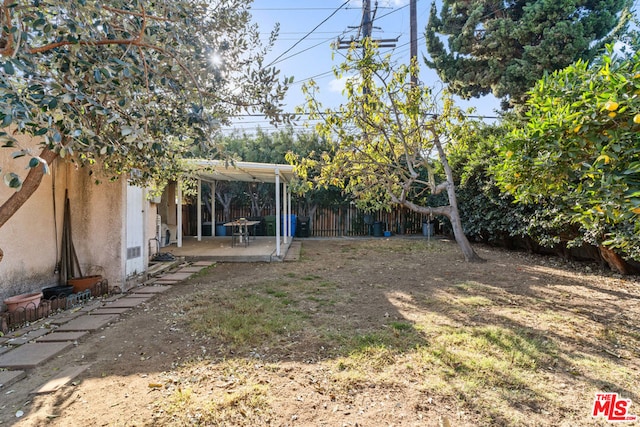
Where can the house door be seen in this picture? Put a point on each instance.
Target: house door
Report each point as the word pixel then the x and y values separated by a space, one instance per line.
pixel 135 231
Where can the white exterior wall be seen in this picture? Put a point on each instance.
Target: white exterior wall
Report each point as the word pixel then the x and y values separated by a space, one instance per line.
pixel 98 214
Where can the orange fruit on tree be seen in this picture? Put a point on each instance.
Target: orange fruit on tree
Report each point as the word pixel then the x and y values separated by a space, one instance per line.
pixel 611 105
pixel 636 119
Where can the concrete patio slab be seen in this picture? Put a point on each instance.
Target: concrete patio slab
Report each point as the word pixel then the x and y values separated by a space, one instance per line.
pixel 150 289
pixel 88 322
pixel 203 263
pixel 128 302
pixel 63 336
pixel 30 355
pixel 61 379
pixel 9 377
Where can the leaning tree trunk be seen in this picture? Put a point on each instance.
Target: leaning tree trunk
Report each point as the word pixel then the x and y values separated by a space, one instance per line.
pixel 454 215
pixel 615 261
pixel 29 186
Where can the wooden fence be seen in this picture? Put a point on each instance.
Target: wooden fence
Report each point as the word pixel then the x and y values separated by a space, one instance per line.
pixel 337 221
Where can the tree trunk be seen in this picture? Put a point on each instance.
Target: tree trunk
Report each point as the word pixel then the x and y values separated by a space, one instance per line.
pixel 29 186
pixel 225 200
pixel 469 254
pixel 615 261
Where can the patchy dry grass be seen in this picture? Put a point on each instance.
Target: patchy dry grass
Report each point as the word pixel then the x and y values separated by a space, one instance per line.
pixel 472 344
pixel 376 332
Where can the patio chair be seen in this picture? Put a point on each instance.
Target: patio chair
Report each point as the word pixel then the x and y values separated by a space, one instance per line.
pixel 240 233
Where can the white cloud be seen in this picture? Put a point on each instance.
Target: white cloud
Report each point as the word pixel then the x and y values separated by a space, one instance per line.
pixel 338 85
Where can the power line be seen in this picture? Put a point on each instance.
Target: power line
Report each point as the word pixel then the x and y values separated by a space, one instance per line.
pixel 275 61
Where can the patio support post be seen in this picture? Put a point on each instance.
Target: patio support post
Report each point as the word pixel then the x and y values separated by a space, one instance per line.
pixel 287 209
pixel 290 233
pixel 212 185
pixel 277 212
pixel 199 213
pixel 179 214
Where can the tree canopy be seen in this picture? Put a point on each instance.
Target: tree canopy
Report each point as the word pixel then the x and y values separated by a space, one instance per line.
pixel 385 139
pixel 504 48
pixel 579 144
pixel 132 83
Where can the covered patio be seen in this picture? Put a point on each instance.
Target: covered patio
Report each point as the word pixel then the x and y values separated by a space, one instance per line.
pixel 220 248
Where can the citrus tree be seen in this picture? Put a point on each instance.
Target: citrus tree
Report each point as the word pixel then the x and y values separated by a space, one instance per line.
pixel 125 83
pixel 385 140
pixel 580 144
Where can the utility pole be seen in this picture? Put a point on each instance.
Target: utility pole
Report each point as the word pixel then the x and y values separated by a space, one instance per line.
pixel 413 22
pixel 367 23
pixel 366 30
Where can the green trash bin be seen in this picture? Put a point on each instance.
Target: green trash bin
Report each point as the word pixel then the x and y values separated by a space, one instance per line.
pixel 377 229
pixel 270 222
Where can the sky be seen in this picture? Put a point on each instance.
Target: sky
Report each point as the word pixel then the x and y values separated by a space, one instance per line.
pixel 305 53
pixel 303 49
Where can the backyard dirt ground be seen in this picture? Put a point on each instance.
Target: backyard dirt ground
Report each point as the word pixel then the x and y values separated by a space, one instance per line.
pixel 358 332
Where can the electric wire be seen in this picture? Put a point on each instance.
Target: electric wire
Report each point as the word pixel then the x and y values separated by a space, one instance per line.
pixel 275 61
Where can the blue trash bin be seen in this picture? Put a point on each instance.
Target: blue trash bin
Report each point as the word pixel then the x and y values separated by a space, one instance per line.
pixel 292 232
pixel 221 230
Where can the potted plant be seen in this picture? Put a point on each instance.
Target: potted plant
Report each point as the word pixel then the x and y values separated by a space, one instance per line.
pixel 85 282
pixel 23 300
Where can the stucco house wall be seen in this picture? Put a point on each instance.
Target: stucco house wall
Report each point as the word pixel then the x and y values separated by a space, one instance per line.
pixel 31 239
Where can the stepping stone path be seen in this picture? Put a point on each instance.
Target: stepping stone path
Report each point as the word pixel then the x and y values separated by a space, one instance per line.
pixel 24 350
pixel 9 377
pixel 31 355
pixel 88 322
pixel 63 336
pixel 128 302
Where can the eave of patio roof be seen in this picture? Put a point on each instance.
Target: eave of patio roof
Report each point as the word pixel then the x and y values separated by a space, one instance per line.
pixel 219 170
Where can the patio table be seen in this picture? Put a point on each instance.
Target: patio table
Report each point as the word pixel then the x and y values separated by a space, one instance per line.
pixel 242 227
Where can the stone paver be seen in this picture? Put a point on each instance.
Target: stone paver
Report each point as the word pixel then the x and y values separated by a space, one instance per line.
pixel 112 310
pixel 191 270
pixel 150 289
pixel 88 322
pixel 31 355
pixel 114 297
pixel 66 318
pixel 167 281
pixel 30 336
pixel 61 379
pixel 9 377
pixel 4 349
pixel 129 302
pixel 176 276
pixel 90 307
pixel 63 336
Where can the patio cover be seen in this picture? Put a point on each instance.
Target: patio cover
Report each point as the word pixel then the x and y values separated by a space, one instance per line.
pixel 219 170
